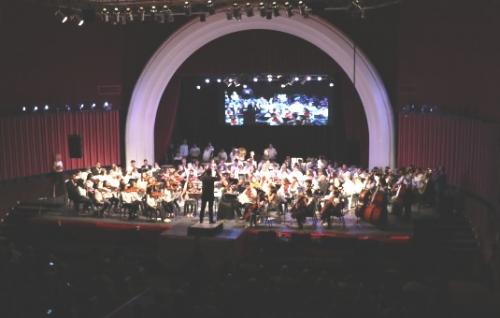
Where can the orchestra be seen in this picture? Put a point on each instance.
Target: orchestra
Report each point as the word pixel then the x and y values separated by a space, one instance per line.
pixel 312 187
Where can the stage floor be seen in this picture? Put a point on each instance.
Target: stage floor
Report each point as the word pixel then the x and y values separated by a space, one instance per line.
pixel 396 228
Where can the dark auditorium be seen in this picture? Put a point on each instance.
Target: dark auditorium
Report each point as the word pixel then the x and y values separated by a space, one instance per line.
pixel 252 159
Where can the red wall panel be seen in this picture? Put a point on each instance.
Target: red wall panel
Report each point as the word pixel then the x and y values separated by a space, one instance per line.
pixel 467 148
pixel 28 143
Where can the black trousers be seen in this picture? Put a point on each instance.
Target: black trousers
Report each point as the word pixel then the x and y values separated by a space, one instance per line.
pixel 204 202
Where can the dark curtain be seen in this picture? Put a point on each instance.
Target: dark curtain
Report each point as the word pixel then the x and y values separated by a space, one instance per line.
pixel 28 143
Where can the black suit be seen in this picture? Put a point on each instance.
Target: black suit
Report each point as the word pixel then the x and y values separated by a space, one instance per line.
pixel 207 196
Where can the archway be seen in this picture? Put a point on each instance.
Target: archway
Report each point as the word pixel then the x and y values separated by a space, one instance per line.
pixel 139 133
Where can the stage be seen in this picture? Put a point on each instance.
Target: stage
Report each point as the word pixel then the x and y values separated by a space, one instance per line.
pixel 175 245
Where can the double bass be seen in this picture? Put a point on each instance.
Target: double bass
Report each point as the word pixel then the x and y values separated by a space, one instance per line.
pixel 375 211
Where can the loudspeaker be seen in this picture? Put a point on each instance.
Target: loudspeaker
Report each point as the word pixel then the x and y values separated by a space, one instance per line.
pixel 75 146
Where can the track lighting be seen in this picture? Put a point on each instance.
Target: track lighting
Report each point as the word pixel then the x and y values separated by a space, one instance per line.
pixel 61 16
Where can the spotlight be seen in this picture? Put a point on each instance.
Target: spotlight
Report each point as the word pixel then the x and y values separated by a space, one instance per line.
pixel 308 78
pixel 269 75
pixel 269 79
pixel 210 7
pixel 236 11
pixel 68 108
pixel 245 86
pixel 116 13
pixel 79 20
pixel 276 9
pixel 219 80
pixel 249 9
pixel 304 9
pixel 93 105
pixel 154 11
pixel 283 85
pixel 230 80
pixel 320 78
pixel 24 108
pixel 187 8
pixel 255 79
pixel 105 14
pixel 61 16
pixel 262 9
pixel 129 14
pixel 198 87
pixel 207 80
pixel 288 7
pixel 35 108
pixel 331 84
pixel 106 104
pixel 142 14
pixel 81 106
pixel 46 107
pixel 296 79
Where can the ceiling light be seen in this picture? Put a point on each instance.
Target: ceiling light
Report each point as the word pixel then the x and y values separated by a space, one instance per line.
pixel 331 84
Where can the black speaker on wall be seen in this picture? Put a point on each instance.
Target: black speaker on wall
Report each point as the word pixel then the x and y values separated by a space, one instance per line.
pixel 75 146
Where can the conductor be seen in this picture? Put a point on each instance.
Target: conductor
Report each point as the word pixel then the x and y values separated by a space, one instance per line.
pixel 207 194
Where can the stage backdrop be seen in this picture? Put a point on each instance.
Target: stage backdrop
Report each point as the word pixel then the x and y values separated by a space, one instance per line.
pixel 467 148
pixel 29 142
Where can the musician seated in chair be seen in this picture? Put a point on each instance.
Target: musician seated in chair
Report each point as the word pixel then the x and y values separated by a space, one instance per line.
pixel 303 207
pixel 78 194
pixel 332 208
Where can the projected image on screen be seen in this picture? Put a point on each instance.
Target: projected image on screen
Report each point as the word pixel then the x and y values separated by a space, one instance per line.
pixel 290 108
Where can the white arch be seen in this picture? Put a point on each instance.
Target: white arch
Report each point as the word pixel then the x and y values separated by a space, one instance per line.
pixel 139 134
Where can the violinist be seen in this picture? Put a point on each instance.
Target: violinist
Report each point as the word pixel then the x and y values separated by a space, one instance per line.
pixel 152 207
pixel 248 199
pixel 102 204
